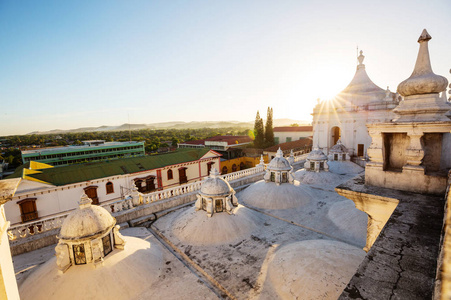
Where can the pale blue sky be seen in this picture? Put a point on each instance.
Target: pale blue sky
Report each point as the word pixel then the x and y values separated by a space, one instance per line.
pixel 70 64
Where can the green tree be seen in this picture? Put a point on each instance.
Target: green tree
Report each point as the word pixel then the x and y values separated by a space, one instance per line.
pixel 175 141
pixel 259 131
pixel 269 131
pixel 294 125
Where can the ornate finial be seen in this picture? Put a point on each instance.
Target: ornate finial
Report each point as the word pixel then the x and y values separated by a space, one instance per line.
pixel 424 37
pixel 85 201
pixel 279 153
pixel 361 58
pixel 262 161
pixel 214 173
pixel 291 153
pixel 423 80
pixel 387 95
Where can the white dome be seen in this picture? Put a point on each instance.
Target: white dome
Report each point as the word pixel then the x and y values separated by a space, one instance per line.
pixel 125 274
pixel 214 185
pixel 279 163
pixel 338 148
pixel 316 154
pixel 86 221
pixel 194 228
pixel 313 269
pixel 268 195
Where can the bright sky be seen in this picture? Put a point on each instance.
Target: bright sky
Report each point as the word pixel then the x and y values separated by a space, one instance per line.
pixel 70 64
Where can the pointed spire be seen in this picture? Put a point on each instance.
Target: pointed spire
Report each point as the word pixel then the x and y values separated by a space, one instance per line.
pixel 279 153
pixel 423 80
pixel 262 161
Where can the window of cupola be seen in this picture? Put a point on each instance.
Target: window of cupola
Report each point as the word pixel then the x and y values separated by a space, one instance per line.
pixel 107 247
pixel 79 254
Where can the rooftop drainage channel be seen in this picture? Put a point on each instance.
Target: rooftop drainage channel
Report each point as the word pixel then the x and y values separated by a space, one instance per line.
pixel 209 281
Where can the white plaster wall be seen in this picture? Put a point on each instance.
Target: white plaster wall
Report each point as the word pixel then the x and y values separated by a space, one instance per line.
pixel 295 135
pixel 352 125
pixel 8 284
pixel 52 200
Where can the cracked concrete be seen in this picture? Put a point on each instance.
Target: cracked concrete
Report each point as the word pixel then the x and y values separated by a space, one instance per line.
pixel 401 263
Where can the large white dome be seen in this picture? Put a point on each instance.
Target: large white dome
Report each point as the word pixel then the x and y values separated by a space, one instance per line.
pixel 268 195
pixel 125 274
pixel 86 221
pixel 196 228
pixel 313 269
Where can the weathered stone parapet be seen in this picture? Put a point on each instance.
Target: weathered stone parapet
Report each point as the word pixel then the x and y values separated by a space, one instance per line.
pixel 401 264
pixel 378 209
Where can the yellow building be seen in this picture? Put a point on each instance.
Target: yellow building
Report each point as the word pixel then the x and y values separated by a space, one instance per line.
pixel 240 163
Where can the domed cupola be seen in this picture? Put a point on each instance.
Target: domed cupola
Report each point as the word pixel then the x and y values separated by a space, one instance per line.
pixel 87 236
pixel 216 195
pixel 338 152
pixel 279 170
pixel 316 161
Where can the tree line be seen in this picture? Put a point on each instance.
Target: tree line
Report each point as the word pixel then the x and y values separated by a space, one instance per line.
pixel 153 139
pixel 264 135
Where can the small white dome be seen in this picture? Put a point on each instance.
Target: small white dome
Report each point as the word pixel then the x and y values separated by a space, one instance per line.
pixel 86 221
pixel 316 154
pixel 338 148
pixel 214 185
pixel 279 163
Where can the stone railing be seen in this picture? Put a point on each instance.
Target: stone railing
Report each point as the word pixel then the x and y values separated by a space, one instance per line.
pixel 37 227
pixel 300 157
pixel 135 199
pixel 243 173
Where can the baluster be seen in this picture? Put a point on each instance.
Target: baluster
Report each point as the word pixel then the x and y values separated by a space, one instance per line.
pixel 11 235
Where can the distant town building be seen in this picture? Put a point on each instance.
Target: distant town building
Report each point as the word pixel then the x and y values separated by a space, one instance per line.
pixel 292 133
pixel 47 191
pixel 298 147
pixel 90 151
pixel 227 145
pixel 345 117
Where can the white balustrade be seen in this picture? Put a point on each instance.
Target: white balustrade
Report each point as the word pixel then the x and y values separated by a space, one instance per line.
pixel 24 230
pixel 40 226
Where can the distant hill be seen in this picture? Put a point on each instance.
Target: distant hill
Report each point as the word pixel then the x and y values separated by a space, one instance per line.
pixel 172 125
